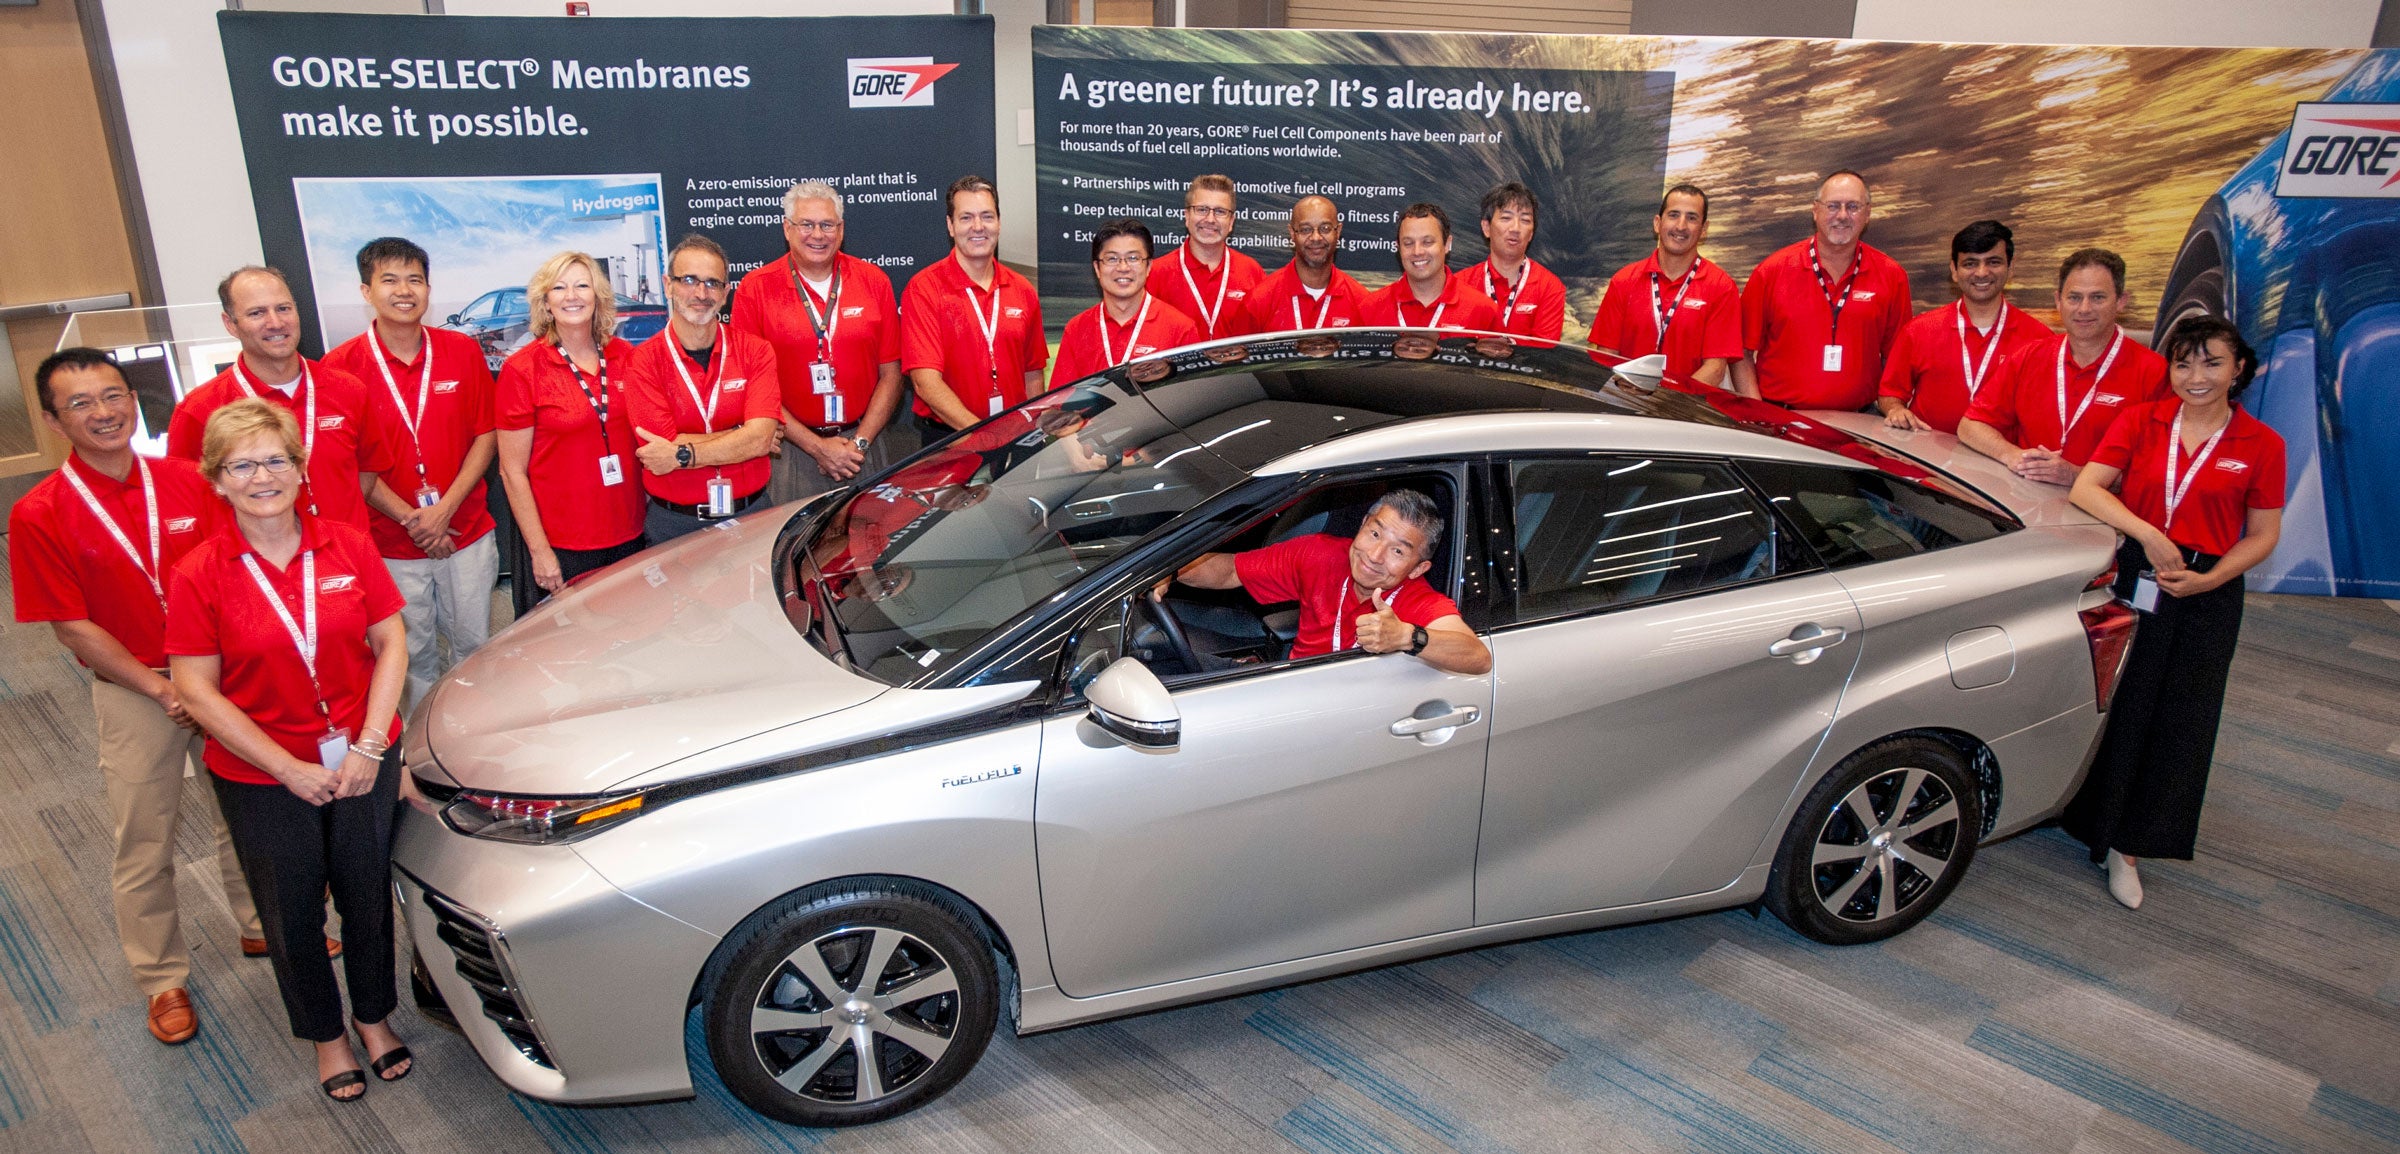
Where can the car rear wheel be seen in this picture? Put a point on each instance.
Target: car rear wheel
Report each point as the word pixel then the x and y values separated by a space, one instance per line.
pixel 1878 844
pixel 849 1003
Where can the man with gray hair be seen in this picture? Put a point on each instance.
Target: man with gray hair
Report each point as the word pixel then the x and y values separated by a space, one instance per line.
pixel 835 326
pixel 1368 592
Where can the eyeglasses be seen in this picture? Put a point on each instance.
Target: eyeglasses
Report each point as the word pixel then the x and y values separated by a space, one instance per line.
pixel 1842 207
pixel 1315 229
pixel 108 398
pixel 1116 260
pixel 826 226
pixel 244 470
pixel 710 283
pixel 1208 210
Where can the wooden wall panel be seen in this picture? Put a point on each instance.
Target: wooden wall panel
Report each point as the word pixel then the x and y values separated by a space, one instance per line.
pixel 63 234
pixel 1595 16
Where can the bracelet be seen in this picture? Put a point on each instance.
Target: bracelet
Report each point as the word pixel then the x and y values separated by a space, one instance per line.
pixel 371 750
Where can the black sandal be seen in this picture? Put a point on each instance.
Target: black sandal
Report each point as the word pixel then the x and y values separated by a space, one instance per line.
pixel 391 1058
pixel 344 1081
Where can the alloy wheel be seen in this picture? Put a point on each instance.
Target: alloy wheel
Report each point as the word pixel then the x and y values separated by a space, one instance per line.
pixel 1885 845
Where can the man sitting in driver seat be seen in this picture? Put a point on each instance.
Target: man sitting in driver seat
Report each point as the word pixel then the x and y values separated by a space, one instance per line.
pixel 1370 593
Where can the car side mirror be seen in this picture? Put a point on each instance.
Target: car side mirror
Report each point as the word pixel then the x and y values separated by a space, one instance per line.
pixel 453 320
pixel 1130 704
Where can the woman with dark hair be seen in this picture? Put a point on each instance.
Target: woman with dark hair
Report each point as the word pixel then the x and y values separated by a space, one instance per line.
pixel 2196 486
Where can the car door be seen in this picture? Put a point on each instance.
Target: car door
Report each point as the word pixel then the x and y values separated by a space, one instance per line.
pixel 1291 821
pixel 1672 668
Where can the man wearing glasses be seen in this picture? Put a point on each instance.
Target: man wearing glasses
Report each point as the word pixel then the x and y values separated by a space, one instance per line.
pixel 1204 278
pixel 835 327
pixel 1129 321
pixel 90 548
pixel 1820 317
pixel 705 403
pixel 971 337
pixel 1309 293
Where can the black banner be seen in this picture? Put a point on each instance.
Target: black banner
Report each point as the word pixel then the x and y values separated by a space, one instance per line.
pixel 495 142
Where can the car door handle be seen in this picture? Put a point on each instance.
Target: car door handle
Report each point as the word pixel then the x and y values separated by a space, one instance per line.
pixel 1418 726
pixel 1817 637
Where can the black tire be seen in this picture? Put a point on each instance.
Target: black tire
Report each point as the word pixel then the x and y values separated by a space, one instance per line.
pixel 936 991
pixel 1878 844
pixel 2198 290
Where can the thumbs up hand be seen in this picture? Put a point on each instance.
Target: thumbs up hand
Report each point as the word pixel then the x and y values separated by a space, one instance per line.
pixel 1382 631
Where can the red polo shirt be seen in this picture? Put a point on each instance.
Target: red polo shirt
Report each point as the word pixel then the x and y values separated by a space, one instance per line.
pixel 1787 319
pixel 346 442
pixel 1704 315
pixel 1093 343
pixel 538 391
pixel 67 567
pixel 1535 306
pixel 939 330
pixel 1216 301
pixel 2244 472
pixel 864 325
pixel 740 374
pixel 1927 370
pixel 457 409
pixel 1281 303
pixel 2024 405
pixel 1460 307
pixel 215 609
pixel 1315 571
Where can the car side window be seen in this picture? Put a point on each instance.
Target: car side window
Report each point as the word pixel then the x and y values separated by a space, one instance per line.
pixel 1860 516
pixel 1604 532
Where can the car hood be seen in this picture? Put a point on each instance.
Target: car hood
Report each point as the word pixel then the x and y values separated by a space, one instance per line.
pixel 653 661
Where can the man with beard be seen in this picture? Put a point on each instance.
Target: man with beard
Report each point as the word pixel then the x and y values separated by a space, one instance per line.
pixel 1309 293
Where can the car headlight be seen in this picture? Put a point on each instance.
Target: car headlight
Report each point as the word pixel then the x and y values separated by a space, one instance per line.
pixel 538 820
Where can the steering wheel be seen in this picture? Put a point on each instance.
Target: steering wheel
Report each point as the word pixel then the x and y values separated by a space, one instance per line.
pixel 1176 637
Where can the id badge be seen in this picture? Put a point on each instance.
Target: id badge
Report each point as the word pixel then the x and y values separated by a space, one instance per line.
pixel 720 497
pixel 612 470
pixel 1833 358
pixel 428 496
pixel 2145 592
pixel 820 377
pixel 995 407
pixel 333 747
pixel 833 409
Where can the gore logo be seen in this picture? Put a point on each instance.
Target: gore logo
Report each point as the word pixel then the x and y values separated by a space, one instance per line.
pixel 2232 466
pixel 336 584
pixel 894 81
pixel 853 310
pixel 1014 312
pixel 445 386
pixel 2110 398
pixel 737 384
pixel 182 524
pixel 2345 150
pixel 329 422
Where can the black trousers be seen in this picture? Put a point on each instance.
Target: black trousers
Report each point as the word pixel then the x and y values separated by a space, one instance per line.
pixel 2147 782
pixel 572 563
pixel 292 852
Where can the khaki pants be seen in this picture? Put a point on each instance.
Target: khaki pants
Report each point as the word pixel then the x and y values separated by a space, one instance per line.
pixel 142 757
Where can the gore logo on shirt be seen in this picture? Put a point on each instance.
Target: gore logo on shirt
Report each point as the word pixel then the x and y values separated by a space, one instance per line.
pixel 1693 304
pixel 445 386
pixel 336 584
pixel 1138 350
pixel 737 384
pixel 1236 294
pixel 1863 295
pixel 1014 312
pixel 2232 466
pixel 854 310
pixel 329 422
pixel 182 524
pixel 2110 398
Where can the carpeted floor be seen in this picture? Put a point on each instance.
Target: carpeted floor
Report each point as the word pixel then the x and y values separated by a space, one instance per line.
pixel 2252 1005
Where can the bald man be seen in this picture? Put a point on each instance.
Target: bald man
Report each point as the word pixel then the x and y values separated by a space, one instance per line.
pixel 1309 293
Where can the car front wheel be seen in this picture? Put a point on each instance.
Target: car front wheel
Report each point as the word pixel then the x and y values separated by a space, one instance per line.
pixel 849 1003
pixel 1878 844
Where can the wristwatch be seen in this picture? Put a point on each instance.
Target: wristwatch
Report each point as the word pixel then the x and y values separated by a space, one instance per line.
pixel 1418 640
pixel 861 443
pixel 683 456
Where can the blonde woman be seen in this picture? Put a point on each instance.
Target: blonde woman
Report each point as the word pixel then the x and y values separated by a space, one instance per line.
pixel 285 643
pixel 566 437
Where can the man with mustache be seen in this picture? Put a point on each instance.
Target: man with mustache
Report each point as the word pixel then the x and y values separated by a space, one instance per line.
pixel 1947 356
pixel 1309 293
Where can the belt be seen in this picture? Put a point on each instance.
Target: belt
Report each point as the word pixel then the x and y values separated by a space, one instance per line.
pixel 741 505
pixel 833 430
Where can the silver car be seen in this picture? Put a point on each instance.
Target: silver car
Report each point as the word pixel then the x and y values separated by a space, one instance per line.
pixel 864 778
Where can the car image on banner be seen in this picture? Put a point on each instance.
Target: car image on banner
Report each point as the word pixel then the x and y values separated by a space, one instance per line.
pixel 2301 249
pixel 498 321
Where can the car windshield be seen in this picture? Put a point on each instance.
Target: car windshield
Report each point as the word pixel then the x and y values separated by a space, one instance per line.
pixel 967 537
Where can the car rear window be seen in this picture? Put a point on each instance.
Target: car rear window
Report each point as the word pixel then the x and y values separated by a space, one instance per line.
pixel 1859 516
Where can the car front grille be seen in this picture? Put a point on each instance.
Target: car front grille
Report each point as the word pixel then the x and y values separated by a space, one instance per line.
pixel 482 961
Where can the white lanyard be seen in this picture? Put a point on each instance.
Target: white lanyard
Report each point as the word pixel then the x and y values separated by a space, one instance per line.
pixel 1324 304
pixel 2067 424
pixel 1341 605
pixel 1976 373
pixel 303 640
pixel 716 388
pixel 1524 277
pixel 2176 492
pixel 424 388
pixel 1208 313
pixel 149 501
pixel 308 420
pixel 1131 339
pixel 990 329
pixel 1400 311
pixel 1662 310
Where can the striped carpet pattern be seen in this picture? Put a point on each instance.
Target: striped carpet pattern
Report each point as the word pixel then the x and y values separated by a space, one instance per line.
pixel 2251 1007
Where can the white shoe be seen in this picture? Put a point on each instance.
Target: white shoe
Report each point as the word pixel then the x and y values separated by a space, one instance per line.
pixel 2124 884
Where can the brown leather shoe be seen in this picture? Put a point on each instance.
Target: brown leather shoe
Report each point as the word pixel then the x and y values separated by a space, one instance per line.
pixel 171 1017
pixel 257 947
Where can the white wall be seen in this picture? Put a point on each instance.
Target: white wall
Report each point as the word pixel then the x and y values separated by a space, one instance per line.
pixel 2198 23
pixel 188 154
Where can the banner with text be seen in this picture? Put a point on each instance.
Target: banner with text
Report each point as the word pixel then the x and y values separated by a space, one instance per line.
pixel 2257 184
pixel 495 142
